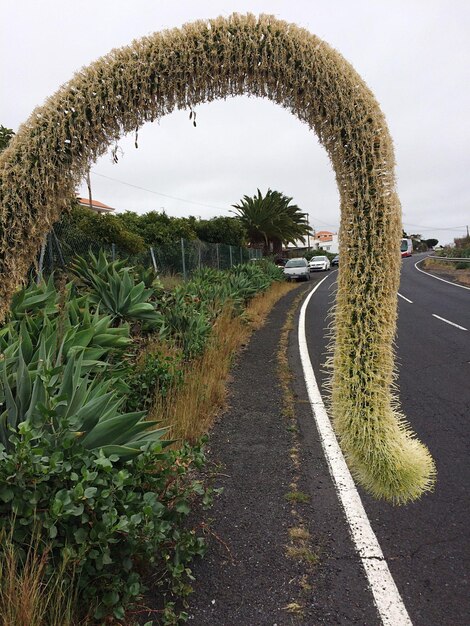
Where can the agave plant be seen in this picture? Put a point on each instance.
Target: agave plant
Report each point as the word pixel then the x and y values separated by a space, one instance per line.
pixel 33 299
pixel 112 286
pixel 59 332
pixel 49 395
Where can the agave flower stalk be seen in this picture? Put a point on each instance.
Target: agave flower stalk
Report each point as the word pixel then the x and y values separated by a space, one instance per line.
pixel 262 57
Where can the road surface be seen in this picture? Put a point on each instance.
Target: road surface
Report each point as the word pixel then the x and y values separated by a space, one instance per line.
pixel 426 544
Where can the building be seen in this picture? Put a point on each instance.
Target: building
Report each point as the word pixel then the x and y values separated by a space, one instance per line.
pixel 324 239
pixel 97 207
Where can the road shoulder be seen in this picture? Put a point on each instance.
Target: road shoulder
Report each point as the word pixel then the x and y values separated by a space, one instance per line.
pixel 279 548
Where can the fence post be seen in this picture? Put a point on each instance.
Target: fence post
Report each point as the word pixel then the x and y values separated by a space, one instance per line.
pixel 152 255
pixel 59 249
pixel 50 252
pixel 183 259
pixel 113 251
pixel 231 260
pixel 218 256
pixel 41 260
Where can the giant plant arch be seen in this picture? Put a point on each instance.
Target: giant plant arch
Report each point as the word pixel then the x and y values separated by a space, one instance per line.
pixel 263 57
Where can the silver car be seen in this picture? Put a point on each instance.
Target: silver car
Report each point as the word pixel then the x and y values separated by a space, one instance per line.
pixel 297 269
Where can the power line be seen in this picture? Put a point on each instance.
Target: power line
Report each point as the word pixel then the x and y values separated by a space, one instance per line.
pixel 158 193
pixel 165 195
pixel 433 227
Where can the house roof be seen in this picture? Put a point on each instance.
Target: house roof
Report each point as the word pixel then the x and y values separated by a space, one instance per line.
pixel 99 206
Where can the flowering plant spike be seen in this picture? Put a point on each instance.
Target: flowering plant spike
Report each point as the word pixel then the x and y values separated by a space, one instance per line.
pixel 264 57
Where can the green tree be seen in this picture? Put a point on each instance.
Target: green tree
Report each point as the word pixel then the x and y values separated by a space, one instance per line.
pixel 158 228
pixel 228 230
pixel 5 137
pixel 103 229
pixel 271 220
pixel 431 242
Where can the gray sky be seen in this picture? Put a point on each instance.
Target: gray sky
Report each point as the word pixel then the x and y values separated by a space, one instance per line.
pixel 413 54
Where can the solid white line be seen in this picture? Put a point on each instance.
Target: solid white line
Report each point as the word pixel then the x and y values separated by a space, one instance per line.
pixel 437 277
pixel 448 322
pixel 410 301
pixel 385 593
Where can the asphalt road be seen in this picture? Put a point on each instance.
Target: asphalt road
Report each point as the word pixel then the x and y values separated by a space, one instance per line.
pixel 427 543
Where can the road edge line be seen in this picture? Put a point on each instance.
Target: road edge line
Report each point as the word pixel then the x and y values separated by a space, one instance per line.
pixel 386 596
pixel 437 277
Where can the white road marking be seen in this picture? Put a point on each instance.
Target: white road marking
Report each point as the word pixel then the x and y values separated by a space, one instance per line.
pixel 437 277
pixel 410 301
pixel 448 322
pixel 385 593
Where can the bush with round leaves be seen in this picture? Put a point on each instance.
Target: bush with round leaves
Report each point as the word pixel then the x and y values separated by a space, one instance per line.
pixel 107 518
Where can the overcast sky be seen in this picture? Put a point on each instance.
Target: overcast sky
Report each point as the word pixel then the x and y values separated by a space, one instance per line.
pixel 413 54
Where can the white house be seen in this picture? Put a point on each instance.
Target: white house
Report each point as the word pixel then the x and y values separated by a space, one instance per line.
pixel 324 239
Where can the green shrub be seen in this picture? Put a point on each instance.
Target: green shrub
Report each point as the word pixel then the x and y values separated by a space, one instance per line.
pixel 153 377
pixel 104 230
pixel 188 322
pixel 108 519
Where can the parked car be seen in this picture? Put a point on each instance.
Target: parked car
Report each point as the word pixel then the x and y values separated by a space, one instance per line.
pixel 319 263
pixel 297 269
pixel 280 262
pixel 335 261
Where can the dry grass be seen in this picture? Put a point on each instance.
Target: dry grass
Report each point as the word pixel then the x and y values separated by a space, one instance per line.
pixel 190 409
pixel 447 269
pixel 302 554
pixel 170 281
pixel 27 596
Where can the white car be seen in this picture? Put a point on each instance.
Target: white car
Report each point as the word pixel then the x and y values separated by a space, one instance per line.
pixel 297 269
pixel 319 263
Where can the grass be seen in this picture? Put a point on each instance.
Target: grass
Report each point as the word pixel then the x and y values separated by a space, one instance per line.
pixel 297 496
pixel 28 596
pixel 170 281
pixel 302 554
pixel 299 533
pixel 191 408
pixel 448 269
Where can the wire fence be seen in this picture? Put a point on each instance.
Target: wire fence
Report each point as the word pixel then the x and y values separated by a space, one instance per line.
pixel 183 257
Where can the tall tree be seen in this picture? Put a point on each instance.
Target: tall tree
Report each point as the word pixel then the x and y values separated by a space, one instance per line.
pixel 271 220
pixel 221 229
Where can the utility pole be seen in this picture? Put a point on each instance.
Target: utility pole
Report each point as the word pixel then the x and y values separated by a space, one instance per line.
pixel 308 233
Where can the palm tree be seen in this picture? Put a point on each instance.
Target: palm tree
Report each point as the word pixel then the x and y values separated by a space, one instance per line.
pixel 272 220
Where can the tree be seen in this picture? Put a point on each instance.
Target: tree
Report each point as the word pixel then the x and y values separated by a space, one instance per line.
pixel 228 230
pixel 272 220
pixel 102 229
pixel 158 228
pixel 5 137
pixel 431 242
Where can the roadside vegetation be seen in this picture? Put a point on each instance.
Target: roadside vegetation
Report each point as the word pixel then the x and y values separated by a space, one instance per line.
pixel 108 380
pixel 457 271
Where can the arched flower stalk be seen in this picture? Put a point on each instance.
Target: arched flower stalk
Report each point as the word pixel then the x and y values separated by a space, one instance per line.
pixel 267 58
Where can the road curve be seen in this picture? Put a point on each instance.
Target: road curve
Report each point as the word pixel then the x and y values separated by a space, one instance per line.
pixel 426 544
